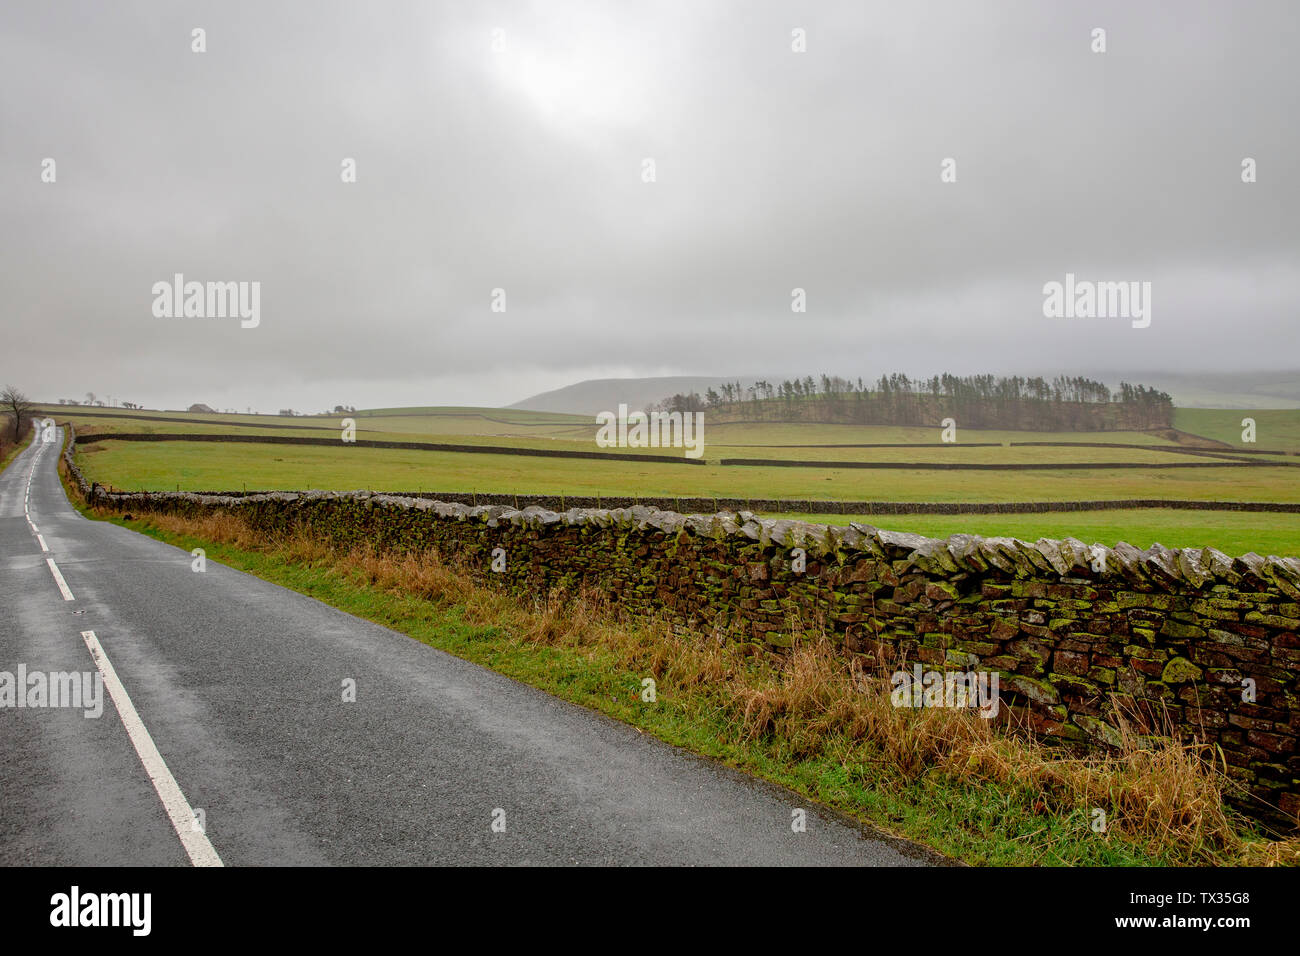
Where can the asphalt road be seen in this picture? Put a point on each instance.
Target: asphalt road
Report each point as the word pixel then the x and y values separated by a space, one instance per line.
pixel 237 683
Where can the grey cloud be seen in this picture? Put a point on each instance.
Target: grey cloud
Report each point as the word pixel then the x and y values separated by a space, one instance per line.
pixel 521 170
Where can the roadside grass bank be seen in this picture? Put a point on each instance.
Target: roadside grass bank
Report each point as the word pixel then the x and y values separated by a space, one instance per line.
pixel 8 450
pixel 808 721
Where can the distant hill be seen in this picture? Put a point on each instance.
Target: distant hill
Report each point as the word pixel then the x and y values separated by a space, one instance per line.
pixel 1272 389
pixel 604 394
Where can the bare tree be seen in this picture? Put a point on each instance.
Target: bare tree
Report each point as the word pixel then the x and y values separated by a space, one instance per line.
pixel 18 406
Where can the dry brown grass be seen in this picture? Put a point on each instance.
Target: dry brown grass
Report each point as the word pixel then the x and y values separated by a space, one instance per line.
pixel 1163 794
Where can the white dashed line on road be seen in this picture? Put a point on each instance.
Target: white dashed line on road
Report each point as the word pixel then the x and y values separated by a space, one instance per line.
pixel 58 579
pixel 54 568
pixel 27 492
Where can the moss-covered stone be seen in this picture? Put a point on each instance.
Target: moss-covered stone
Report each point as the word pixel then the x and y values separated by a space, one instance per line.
pixel 1180 631
pixel 1099 730
pixel 1180 670
pixel 1036 690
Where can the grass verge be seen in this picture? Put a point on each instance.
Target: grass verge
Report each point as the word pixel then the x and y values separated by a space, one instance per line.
pixel 8 450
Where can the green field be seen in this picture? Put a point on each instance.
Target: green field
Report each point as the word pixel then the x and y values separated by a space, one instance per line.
pixel 1233 532
pixel 166 466
pixel 1276 429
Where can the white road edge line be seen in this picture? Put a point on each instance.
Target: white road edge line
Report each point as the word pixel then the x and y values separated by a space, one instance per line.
pixel 44 546
pixel 58 579
pixel 200 850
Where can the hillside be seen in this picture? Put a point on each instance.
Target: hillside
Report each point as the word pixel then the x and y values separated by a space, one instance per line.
pixel 606 394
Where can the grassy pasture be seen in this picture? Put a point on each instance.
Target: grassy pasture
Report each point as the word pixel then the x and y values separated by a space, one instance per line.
pixel 1275 428
pixel 747 440
pixel 83 413
pixel 99 426
pixel 1233 532
pixel 196 466
pixel 970 454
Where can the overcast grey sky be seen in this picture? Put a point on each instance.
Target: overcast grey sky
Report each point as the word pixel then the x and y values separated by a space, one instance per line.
pixel 522 169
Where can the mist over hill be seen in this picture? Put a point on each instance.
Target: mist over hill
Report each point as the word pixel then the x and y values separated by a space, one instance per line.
pixel 605 394
pixel 1263 389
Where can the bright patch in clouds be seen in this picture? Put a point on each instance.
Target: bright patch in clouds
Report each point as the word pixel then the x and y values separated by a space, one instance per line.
pixel 578 79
